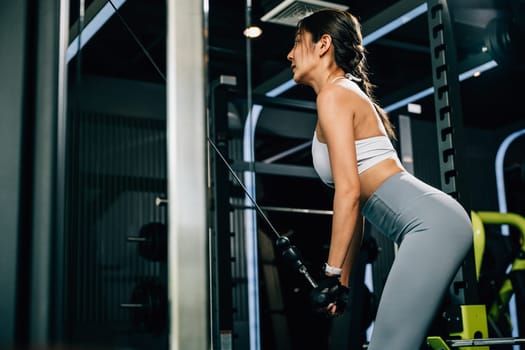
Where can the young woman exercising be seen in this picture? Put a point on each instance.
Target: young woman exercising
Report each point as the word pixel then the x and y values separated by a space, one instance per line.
pixel 352 152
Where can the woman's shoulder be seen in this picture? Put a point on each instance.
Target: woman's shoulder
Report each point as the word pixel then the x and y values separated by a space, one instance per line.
pixel 335 91
pixel 344 93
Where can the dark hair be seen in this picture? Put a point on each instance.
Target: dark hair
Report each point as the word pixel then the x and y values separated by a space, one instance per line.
pixel 345 30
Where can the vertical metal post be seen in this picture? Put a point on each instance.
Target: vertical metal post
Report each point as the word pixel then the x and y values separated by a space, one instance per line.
pixel 449 123
pixel 188 293
pixel 13 35
pixel 447 100
pixel 34 93
pixel 220 235
pixel 57 328
pixel 47 94
pixel 252 259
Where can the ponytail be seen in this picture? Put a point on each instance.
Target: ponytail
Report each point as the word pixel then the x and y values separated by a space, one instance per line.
pixel 360 72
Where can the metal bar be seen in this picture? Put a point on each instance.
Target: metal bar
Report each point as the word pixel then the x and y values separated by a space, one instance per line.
pixel 284 103
pixel 447 100
pixel 188 294
pixel 220 226
pixel 276 169
pixel 299 210
pixel 57 328
pixel 485 342
pixel 96 16
pixel 449 122
pixel 384 17
pixel 288 210
pixel 48 102
pixel 250 232
pixel 14 26
pixel 287 152
pixel 500 178
pixel 402 12
pixel 132 306
pixel 403 45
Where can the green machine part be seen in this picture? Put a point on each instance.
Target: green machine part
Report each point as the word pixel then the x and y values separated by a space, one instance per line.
pixel 496 310
pixel 437 343
pixel 479 240
pixel 495 218
pixel 479 219
pixel 474 317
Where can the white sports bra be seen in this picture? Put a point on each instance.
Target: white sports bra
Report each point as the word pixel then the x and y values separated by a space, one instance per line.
pixel 369 152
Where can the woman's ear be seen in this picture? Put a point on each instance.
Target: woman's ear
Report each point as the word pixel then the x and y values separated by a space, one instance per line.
pixel 325 44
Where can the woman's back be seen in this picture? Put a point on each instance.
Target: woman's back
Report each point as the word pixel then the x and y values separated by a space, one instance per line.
pixel 367 124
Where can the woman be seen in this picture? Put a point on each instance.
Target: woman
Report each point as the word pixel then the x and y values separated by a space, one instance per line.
pixel 352 152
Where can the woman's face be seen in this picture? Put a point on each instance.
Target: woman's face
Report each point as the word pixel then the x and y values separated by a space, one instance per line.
pixel 302 56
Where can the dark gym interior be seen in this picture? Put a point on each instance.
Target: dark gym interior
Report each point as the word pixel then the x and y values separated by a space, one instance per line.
pixel 87 206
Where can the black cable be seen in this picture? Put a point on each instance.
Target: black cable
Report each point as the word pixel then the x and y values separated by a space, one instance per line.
pixel 259 210
pixel 257 207
pixel 288 251
pixel 137 40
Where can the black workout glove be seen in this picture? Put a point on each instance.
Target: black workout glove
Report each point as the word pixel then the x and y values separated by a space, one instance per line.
pixel 328 291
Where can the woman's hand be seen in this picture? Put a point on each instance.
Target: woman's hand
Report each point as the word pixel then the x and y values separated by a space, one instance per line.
pixel 329 298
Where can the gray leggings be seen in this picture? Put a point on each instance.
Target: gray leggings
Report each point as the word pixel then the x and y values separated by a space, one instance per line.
pixel 434 234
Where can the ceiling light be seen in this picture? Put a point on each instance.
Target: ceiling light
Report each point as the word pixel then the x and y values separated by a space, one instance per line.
pixel 289 12
pixel 414 108
pixel 252 32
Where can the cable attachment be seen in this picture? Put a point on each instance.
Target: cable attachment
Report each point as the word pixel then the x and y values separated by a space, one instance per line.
pixel 292 256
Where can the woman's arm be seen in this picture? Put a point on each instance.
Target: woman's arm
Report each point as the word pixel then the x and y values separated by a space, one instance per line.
pixel 336 111
pixel 355 245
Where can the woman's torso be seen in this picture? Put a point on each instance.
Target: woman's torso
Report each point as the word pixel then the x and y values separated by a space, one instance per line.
pixel 367 124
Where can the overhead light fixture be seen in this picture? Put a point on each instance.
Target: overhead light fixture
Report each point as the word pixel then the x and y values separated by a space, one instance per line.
pixel 414 108
pixel 252 32
pixel 289 12
pixel 92 28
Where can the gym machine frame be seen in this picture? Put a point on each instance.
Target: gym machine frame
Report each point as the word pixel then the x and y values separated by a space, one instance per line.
pixel 465 318
pixel 220 191
pixel 449 124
